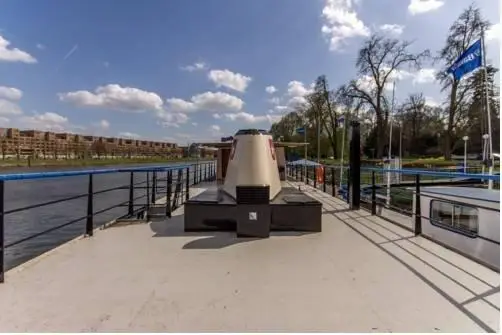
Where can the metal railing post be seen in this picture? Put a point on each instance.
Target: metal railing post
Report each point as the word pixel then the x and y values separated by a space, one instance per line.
pixel 333 181
pixel 169 185
pixel 200 173
pixel 205 172
pixel 187 186
pixel 296 172
pixel 348 185
pixel 323 179
pixel 90 211
pixel 131 194
pixel 2 227
pixel 315 168
pixel 418 214
pixel 373 193
pixel 195 174
pixel 154 185
pixel 147 193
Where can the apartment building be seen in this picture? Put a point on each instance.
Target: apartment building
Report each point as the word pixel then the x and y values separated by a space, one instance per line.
pixel 41 144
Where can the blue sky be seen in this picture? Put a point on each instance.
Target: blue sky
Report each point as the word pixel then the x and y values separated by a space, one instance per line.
pixel 194 70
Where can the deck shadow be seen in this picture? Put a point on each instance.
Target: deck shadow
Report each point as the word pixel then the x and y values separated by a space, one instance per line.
pixel 174 227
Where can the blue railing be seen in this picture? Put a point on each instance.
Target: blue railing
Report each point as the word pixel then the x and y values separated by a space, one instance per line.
pixel 141 188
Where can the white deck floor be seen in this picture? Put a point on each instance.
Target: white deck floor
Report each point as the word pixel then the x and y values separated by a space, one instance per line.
pixel 361 274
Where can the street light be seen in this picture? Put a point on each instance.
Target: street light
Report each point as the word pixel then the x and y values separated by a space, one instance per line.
pixel 465 138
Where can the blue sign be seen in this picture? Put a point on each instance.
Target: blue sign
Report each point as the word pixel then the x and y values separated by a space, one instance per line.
pixel 469 61
pixel 300 131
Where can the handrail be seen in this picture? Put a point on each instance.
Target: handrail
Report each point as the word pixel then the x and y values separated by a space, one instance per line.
pixel 47 175
pixel 175 190
pixel 494 177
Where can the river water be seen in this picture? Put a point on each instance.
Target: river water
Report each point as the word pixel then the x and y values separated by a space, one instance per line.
pixel 24 193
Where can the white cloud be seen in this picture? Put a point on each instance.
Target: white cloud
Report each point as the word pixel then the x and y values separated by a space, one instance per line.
pixel 493 33
pixel 198 66
pixel 297 89
pixel 229 79
pixel 394 29
pixel 9 108
pixel 217 116
pixel 115 97
pixel 10 93
pixel 423 6
pixel 103 124
pixel 128 135
pixel 4 121
pixel 431 102
pixel 170 119
pixel 40 46
pixel 342 23
pixel 48 121
pixel 423 76
pixel 208 101
pixel 195 124
pixel 274 100
pixel 9 54
pixel 216 130
pixel 270 89
pixel 250 118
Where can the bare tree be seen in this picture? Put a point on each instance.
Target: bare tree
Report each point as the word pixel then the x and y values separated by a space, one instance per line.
pixel 378 60
pixel 464 31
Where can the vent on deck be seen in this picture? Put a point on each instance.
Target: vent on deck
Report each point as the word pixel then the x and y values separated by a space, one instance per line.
pixel 253 195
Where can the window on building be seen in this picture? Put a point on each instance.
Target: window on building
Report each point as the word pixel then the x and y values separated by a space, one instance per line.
pixel 460 218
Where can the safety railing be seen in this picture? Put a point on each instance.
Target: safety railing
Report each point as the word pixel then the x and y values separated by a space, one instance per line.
pixel 99 195
pixel 395 194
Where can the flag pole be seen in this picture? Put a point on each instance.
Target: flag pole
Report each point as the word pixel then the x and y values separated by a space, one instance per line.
pixel 488 112
pixel 391 120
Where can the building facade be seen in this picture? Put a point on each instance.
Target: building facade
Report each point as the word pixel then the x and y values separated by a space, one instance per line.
pixel 49 145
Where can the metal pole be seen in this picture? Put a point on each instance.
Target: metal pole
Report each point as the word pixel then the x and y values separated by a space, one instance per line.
pixel 343 149
pixel 390 141
pixel 318 137
pixel 488 112
pixel 305 141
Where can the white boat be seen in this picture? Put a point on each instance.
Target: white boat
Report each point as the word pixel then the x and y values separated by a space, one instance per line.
pixel 465 219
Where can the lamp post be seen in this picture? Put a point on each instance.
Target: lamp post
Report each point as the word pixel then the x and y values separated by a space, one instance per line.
pixel 465 138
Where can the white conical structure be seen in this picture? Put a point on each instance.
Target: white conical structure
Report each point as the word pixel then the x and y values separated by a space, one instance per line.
pixel 252 162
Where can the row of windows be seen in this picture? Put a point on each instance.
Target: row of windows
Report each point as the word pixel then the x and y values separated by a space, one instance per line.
pixel 461 218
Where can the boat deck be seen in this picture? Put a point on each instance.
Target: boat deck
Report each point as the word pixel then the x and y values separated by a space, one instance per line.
pixel 361 274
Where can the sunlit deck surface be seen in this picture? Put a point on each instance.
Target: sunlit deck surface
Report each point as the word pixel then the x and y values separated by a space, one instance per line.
pixel 361 274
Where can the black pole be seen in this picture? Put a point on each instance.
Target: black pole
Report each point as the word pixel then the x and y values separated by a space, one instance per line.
pixel 355 166
pixel 90 211
pixel 324 179
pixel 205 172
pixel 187 190
pixel 154 186
pixel 169 185
pixel 333 181
pixel 147 192
pixel 315 168
pixel 373 193
pixel 418 214
pixel 131 194
pixel 2 235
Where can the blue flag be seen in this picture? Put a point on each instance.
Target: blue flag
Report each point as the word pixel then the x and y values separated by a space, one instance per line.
pixel 300 131
pixel 469 61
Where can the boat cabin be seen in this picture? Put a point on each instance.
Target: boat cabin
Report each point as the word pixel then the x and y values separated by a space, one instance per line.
pixel 466 219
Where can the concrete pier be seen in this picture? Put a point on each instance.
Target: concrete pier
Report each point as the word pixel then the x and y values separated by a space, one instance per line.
pixel 361 274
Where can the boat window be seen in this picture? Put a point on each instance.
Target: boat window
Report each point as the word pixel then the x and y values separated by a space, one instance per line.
pixel 459 218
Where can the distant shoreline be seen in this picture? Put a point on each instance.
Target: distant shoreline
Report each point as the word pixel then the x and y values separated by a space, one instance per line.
pixel 24 165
